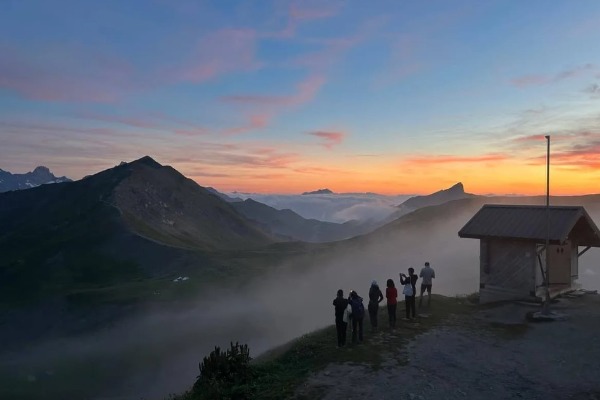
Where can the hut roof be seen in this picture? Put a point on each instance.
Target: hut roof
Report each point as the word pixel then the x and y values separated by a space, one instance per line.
pixel 528 222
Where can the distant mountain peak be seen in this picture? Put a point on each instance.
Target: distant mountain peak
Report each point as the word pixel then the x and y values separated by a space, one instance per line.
pixel 456 188
pixel 320 191
pixel 39 176
pixel 455 192
pixel 148 161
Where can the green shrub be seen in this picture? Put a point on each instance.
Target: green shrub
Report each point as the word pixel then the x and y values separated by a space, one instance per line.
pixel 225 375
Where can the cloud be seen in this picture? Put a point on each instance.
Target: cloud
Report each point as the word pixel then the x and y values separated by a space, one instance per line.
pixel 329 139
pixel 593 89
pixel 257 121
pixel 306 90
pixel 67 73
pixel 138 122
pixel 297 15
pixel 333 208
pixel 577 151
pixel 537 79
pixel 452 159
pixel 191 132
pixel 218 53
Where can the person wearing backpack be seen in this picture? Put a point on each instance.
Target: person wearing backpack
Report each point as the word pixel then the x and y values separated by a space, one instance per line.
pixel 375 297
pixel 341 323
pixel 409 292
pixel 358 313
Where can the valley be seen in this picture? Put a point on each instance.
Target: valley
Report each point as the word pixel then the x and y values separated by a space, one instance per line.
pixel 97 309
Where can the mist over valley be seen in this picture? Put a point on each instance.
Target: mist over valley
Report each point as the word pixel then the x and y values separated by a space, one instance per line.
pixel 103 299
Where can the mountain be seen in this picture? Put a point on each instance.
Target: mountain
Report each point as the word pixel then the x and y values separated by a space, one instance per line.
pixel 39 176
pixel 286 223
pixel 225 197
pixel 320 191
pixel 455 192
pixel 134 221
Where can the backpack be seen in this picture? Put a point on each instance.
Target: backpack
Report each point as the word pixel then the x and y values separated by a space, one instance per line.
pixel 408 290
pixel 358 309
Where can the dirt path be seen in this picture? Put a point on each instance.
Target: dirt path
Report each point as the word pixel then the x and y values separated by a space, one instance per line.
pixel 550 360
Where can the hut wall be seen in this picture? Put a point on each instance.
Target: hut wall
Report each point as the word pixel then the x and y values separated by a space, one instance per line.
pixel 574 262
pixel 507 270
pixel 560 264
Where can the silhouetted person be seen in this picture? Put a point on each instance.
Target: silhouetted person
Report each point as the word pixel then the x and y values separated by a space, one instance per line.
pixel 340 303
pixel 375 297
pixel 410 292
pixel 391 294
pixel 358 313
pixel 427 273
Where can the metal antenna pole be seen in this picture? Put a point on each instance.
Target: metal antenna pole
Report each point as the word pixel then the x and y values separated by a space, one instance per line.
pixel 546 305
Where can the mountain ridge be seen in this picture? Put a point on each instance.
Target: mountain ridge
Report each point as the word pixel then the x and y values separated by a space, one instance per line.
pixel 41 175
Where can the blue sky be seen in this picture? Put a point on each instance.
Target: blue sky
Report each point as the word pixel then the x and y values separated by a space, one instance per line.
pixel 277 96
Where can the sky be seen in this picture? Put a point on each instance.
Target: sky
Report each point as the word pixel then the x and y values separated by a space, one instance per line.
pixel 273 96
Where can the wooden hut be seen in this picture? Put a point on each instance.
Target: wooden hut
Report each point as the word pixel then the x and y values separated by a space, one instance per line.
pixel 513 252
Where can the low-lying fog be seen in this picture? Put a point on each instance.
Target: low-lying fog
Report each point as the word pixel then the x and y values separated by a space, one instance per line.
pixel 157 354
pixel 338 208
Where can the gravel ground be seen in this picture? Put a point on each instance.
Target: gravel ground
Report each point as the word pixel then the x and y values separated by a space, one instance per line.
pixel 540 360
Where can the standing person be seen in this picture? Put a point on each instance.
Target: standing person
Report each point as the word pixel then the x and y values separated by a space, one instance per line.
pixel 409 291
pixel 391 294
pixel 427 273
pixel 358 313
pixel 340 303
pixel 375 297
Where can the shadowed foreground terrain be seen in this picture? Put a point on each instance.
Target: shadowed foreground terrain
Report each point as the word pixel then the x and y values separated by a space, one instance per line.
pixel 455 350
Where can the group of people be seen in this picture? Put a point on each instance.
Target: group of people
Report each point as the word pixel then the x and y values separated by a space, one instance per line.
pixel 351 309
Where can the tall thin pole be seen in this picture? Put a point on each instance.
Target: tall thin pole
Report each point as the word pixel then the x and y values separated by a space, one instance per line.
pixel 546 306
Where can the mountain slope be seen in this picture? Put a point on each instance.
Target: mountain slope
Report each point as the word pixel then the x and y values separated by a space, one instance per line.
pixel 39 176
pixel 288 224
pixel 455 192
pixel 127 223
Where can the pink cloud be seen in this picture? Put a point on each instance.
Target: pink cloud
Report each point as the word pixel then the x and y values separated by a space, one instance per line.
pixel 329 139
pixel 538 79
pixel 222 52
pixel 138 122
pixel 297 15
pixel 255 122
pixel 65 73
pixel 191 132
pixel 305 91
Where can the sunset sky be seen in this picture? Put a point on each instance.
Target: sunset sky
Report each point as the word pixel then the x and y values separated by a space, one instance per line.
pixel 282 97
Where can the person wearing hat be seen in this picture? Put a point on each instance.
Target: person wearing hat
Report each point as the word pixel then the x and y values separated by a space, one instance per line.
pixel 375 297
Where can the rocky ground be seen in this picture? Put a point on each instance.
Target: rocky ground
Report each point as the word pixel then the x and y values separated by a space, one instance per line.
pixel 493 353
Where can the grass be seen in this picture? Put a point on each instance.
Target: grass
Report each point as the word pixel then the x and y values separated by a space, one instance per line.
pixel 280 371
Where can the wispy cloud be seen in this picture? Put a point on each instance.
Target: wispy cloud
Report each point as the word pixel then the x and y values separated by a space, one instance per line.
pixel 66 73
pixel 257 121
pixel 305 91
pixel 540 79
pixel 218 53
pixel 593 89
pixel 299 13
pixel 454 159
pixel 329 139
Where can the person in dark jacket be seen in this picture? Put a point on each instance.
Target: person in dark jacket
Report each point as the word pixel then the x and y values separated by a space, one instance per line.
pixel 410 295
pixel 375 297
pixel 391 294
pixel 358 313
pixel 340 303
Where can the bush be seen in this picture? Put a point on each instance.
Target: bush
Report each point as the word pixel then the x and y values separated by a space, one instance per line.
pixel 225 375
